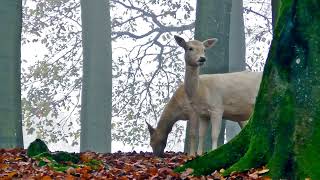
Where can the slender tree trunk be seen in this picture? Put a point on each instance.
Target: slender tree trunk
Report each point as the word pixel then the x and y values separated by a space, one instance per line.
pixel 97 76
pixel 284 130
pixel 10 70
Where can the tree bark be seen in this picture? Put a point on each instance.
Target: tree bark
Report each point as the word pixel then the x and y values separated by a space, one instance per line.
pixel 10 70
pixel 97 76
pixel 275 4
pixel 284 131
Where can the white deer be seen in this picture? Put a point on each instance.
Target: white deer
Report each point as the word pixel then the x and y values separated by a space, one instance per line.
pixel 204 98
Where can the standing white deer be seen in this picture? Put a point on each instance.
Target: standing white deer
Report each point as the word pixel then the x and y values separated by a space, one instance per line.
pixel 204 98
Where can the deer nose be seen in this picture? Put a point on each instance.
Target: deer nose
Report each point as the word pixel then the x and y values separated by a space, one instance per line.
pixel 202 59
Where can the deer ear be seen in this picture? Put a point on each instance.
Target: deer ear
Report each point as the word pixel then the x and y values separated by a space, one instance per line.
pixel 150 128
pixel 180 41
pixel 210 42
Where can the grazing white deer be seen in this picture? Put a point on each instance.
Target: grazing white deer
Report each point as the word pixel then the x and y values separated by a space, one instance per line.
pixel 204 98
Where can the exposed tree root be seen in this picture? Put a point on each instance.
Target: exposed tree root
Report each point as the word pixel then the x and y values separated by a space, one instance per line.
pixel 222 157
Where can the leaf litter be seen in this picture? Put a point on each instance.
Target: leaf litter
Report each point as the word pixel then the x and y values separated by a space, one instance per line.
pixel 16 164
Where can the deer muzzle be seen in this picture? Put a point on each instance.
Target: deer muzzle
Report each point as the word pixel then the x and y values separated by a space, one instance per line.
pixel 201 60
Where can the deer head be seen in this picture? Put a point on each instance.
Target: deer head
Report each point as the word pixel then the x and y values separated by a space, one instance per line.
pixel 195 50
pixel 157 141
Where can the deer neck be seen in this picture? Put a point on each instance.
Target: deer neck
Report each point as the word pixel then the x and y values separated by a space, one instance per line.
pixel 170 115
pixel 191 80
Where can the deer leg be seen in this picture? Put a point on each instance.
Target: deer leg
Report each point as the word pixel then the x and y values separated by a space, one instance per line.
pixel 192 133
pixel 216 119
pixel 203 126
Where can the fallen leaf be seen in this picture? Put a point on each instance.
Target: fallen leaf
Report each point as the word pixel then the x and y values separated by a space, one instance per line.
pixel 222 170
pixel 216 175
pixel 254 176
pixel 11 174
pixel 46 178
pixel 69 177
pixel 86 157
pixel 71 171
pixel 152 171
pixel 263 171
pixel 119 165
pixel 186 173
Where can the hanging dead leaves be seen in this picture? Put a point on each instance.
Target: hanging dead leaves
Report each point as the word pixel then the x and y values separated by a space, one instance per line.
pixel 15 164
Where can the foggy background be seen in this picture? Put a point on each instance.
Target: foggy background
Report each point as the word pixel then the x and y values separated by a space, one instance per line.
pixel 147 66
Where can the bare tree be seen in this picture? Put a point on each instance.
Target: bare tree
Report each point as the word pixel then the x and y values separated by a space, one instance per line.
pixel 258 31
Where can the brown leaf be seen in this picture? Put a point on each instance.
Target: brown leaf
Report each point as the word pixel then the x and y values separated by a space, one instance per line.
pixel 46 178
pixel 71 171
pixel 216 175
pixel 69 177
pixel 155 177
pixel 152 171
pixel 263 171
pixel 163 170
pixel 86 156
pixel 254 176
pixel 186 173
pixel 118 165
pixel 8 175
pixel 4 166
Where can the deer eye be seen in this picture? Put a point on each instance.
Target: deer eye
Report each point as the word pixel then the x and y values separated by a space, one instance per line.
pixel 190 49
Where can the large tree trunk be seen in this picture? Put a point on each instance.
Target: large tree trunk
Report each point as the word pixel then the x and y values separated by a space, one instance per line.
pixel 10 90
pixel 284 130
pixel 97 77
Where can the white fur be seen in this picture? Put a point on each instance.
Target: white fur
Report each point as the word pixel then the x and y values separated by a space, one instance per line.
pixel 229 96
pixel 204 98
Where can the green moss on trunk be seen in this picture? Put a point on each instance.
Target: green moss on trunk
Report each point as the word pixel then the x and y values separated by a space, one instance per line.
pixel 284 130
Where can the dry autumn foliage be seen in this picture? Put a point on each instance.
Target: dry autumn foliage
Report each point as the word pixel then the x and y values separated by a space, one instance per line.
pixel 15 164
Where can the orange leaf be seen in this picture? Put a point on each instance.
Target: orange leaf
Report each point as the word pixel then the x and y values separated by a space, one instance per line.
pixel 4 166
pixel 8 175
pixel 86 157
pixel 69 177
pixel 266 178
pixel 46 178
pixel 152 171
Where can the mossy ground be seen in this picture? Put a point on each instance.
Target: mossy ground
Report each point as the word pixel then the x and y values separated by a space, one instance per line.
pixel 59 161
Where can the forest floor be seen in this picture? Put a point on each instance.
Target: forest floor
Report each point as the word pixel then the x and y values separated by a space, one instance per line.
pixel 15 164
